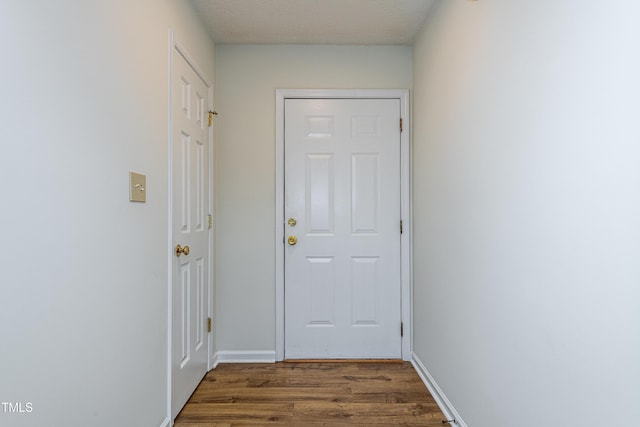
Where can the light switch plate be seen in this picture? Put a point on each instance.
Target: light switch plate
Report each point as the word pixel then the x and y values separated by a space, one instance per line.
pixel 137 187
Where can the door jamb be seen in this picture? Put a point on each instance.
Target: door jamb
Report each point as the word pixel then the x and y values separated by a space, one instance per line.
pixel 406 295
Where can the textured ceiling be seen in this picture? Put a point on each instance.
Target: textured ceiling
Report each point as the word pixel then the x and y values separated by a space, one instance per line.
pixel 313 21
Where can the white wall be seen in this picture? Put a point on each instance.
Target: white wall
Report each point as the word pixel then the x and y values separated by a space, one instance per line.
pixel 83 305
pixel 245 98
pixel 527 210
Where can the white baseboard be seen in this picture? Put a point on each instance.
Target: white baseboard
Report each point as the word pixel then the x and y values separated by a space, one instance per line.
pixel 245 357
pixel 445 405
pixel 166 422
pixel 215 361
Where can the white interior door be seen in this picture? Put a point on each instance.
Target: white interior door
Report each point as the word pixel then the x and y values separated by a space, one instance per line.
pixel 342 205
pixel 190 189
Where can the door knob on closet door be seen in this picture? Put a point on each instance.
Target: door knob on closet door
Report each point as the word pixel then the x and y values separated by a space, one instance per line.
pixel 292 240
pixel 180 250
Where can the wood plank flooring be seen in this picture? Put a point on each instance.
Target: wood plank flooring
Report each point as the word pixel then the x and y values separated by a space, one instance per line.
pixel 311 394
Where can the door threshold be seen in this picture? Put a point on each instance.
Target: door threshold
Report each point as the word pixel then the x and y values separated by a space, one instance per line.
pixel 343 361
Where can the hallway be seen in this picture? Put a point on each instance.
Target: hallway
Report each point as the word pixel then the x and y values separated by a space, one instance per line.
pixel 521 218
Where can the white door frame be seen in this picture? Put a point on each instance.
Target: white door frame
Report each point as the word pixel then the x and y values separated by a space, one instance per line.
pixel 175 47
pixel 405 202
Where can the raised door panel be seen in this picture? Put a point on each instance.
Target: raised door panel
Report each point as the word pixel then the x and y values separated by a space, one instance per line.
pixel 342 183
pixel 190 199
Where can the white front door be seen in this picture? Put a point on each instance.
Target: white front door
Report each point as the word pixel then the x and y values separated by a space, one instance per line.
pixel 342 228
pixel 190 189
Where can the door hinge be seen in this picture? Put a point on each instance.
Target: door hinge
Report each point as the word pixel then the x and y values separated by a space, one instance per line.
pixel 401 329
pixel 211 114
pixel 400 124
pixel 400 226
pixel 208 324
pixel 210 220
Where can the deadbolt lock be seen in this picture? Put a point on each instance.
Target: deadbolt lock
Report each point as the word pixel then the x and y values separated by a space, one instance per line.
pixel 292 222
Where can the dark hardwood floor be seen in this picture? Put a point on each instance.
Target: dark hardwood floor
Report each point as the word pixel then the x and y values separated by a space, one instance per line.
pixel 312 394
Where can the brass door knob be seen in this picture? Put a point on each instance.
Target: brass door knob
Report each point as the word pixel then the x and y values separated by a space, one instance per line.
pixel 292 240
pixel 180 250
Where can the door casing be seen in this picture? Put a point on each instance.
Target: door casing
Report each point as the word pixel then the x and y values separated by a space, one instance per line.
pixel 405 202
